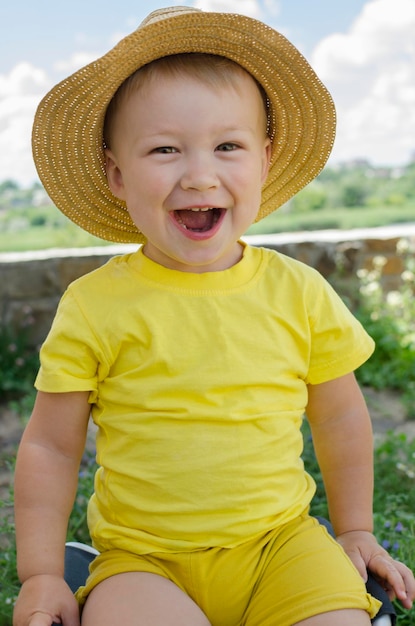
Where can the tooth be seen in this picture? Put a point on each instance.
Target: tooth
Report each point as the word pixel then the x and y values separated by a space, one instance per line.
pixel 196 210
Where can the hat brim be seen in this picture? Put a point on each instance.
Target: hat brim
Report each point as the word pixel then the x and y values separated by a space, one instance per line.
pixel 67 137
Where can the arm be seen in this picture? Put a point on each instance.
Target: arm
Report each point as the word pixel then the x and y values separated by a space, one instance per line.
pixel 45 486
pixel 343 442
pixel 342 437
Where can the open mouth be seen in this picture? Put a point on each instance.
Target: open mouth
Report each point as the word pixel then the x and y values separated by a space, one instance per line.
pixel 198 220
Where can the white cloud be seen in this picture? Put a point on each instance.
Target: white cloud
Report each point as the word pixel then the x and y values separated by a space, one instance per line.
pixel 23 79
pixel 20 93
pixel 75 62
pixel 370 71
pixel 247 7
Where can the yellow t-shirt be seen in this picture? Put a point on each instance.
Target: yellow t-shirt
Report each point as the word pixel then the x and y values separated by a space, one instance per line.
pixel 198 388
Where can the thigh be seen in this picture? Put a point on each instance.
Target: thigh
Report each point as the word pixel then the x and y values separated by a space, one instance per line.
pixel 306 573
pixel 140 599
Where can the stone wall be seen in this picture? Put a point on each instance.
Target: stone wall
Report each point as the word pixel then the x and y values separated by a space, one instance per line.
pixel 32 283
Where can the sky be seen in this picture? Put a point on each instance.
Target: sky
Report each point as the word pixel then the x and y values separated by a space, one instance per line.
pixel 363 50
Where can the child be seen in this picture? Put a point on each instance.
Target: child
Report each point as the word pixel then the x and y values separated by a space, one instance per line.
pixel 197 355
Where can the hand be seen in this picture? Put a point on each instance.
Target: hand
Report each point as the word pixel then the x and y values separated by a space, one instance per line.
pixel 366 554
pixel 43 600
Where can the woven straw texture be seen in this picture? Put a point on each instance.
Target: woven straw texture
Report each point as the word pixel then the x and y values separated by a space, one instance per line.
pixel 67 132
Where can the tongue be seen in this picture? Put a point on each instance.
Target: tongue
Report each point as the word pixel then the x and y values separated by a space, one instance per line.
pixel 197 220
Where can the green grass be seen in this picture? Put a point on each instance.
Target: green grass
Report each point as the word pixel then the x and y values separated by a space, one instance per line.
pixel 394 512
pixel 392 322
pixel 38 228
pixel 44 237
pixel 339 218
pixel 45 227
pixel 394 500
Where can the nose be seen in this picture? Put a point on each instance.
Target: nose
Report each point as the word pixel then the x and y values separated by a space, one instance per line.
pixel 199 173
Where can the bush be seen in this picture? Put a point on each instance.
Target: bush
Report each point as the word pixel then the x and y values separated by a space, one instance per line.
pixel 311 198
pixel 390 319
pixel 9 583
pixel 18 363
pixel 394 506
pixel 77 531
pixel 394 500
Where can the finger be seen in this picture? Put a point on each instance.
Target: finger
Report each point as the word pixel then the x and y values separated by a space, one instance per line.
pixel 408 580
pixel 41 619
pixel 396 579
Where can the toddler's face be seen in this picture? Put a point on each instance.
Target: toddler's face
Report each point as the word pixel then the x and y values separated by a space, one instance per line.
pixel 190 161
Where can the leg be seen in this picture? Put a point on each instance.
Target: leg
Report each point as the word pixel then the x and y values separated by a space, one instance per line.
pixel 140 599
pixel 347 617
pixel 308 580
pixel 387 613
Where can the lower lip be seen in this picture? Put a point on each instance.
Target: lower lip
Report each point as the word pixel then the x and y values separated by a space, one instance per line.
pixel 196 235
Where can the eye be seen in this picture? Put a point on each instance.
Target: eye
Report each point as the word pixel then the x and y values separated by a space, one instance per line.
pixel 227 147
pixel 165 150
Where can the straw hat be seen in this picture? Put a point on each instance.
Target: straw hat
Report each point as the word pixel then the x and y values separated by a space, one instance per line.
pixel 67 132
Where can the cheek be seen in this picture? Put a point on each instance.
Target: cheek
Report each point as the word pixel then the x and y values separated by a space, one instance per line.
pixel 250 179
pixel 146 208
pixel 142 189
pixel 153 183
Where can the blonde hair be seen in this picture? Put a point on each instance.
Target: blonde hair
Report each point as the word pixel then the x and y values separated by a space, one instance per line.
pixel 210 69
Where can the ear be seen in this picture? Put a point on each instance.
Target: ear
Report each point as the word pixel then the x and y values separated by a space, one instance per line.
pixel 114 175
pixel 266 159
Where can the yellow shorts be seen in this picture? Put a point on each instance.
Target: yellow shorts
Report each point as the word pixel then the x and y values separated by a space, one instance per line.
pixel 287 575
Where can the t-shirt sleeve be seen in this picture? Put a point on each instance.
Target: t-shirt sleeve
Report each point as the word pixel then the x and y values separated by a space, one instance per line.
pixel 339 343
pixel 71 357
